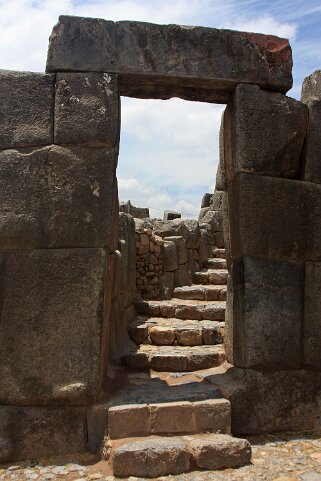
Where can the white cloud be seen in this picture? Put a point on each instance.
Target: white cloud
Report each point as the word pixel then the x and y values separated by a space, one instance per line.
pixel 265 24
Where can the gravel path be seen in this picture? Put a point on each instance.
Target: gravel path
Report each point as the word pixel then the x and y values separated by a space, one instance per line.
pixel 290 457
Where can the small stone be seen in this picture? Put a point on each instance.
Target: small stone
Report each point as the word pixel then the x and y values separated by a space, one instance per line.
pixel 311 476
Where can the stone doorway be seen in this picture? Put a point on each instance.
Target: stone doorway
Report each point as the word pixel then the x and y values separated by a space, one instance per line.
pixel 59 249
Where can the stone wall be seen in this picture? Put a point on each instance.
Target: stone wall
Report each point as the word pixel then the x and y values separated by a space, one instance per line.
pixel 176 249
pixel 136 212
pixel 149 263
pixel 58 236
pixel 59 246
pixel 274 228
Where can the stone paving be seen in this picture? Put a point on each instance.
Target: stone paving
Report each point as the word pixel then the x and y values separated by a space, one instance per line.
pixel 286 457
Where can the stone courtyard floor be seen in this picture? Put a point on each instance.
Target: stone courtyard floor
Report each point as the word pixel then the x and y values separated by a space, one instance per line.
pixel 286 457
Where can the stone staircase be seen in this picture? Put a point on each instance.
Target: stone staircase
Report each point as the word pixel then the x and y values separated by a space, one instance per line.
pixel 171 421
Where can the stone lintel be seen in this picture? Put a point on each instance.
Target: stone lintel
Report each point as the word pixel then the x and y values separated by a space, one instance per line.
pixel 164 61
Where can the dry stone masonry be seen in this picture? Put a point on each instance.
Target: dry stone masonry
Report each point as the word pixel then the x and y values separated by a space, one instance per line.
pixel 112 330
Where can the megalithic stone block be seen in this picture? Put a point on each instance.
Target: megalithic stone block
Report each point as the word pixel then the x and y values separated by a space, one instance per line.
pixel 87 109
pixel 163 61
pixel 311 95
pixel 312 317
pixel 52 326
pixel 266 314
pixel 275 218
pixel 27 432
pixel 26 109
pixel 57 197
pixel 266 132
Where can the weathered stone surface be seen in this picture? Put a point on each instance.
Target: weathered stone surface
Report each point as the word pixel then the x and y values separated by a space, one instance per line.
pixel 220 451
pixel 194 234
pixel 271 401
pixel 81 186
pixel 210 276
pixel 26 109
pixel 170 257
pixel 33 432
pixel 312 317
pixel 292 207
pixel 167 228
pixel 311 88
pixel 151 457
pixel 219 239
pixel 180 246
pixel 284 122
pixel 213 415
pixel 97 424
pixel 206 200
pixel 267 308
pixel 87 109
pixel 172 417
pixel 218 198
pixel 212 335
pixel 215 220
pixel 51 326
pixel 142 54
pixel 215 263
pixel 162 336
pixel 128 420
pixel 190 292
pixel 56 197
pixel 171 215
pixel 176 358
pixel 221 179
pixel 183 276
pixel 189 336
pixel 167 284
pixel 311 170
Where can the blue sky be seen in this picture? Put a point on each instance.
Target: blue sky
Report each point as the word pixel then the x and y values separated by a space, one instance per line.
pixel 169 149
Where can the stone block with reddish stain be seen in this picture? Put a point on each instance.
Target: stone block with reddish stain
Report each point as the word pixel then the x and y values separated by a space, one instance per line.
pixel 162 61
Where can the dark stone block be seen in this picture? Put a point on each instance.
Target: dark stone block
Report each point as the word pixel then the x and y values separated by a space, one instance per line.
pixel 275 218
pixel 26 109
pixel 266 133
pixel 311 170
pixel 40 432
pixel 266 314
pixel 57 197
pixel 87 109
pixel 312 317
pixel 163 61
pixel 51 326
pixel 271 401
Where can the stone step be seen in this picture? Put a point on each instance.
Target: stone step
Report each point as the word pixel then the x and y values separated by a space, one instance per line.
pixel 168 331
pixel 183 309
pixel 210 276
pixel 175 358
pixel 219 253
pixel 160 456
pixel 201 292
pixel 182 417
pixel 215 263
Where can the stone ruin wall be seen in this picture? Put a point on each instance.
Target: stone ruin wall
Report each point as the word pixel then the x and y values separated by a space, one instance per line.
pixel 64 268
pixel 169 252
